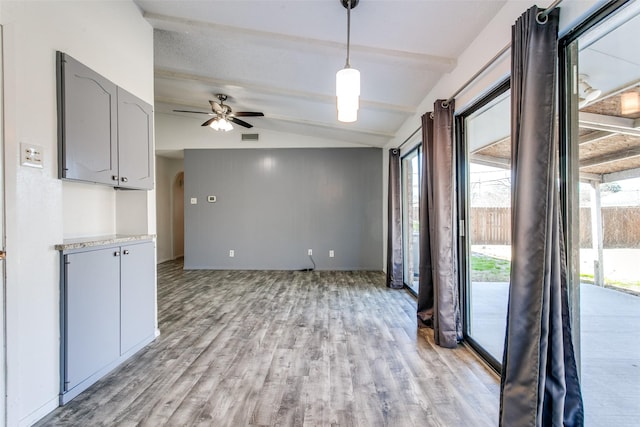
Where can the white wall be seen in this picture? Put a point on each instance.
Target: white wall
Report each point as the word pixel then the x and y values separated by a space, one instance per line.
pixel 113 39
pixel 485 46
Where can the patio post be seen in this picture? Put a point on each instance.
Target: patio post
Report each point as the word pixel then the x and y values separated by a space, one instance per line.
pixel 597 239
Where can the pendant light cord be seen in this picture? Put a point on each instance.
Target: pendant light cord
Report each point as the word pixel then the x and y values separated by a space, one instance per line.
pixel 348 64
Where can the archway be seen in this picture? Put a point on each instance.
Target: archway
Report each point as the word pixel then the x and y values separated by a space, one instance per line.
pixel 178 216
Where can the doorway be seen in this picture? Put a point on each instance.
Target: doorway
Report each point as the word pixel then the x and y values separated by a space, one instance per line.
pixel 177 226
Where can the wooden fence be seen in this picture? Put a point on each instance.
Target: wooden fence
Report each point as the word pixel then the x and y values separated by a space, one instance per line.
pixel 490 226
pixel 621 226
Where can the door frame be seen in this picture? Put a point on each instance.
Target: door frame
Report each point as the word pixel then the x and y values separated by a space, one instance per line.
pixel 3 291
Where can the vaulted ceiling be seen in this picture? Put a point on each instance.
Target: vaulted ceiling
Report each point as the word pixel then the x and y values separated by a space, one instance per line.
pixel 280 57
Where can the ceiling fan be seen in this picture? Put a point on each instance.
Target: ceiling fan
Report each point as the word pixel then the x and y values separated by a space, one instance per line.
pixel 224 115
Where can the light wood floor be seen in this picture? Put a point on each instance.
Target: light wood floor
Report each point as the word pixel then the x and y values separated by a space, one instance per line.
pixel 266 348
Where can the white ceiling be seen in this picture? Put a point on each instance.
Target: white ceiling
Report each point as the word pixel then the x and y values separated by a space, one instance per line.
pixel 281 56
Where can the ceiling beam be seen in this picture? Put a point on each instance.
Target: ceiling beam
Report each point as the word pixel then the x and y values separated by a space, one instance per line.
pixel 297 121
pixel 595 136
pixel 485 160
pixel 160 73
pixel 609 123
pixel 322 125
pixel 590 177
pixel 629 153
pixel 622 175
pixel 171 23
pixel 491 144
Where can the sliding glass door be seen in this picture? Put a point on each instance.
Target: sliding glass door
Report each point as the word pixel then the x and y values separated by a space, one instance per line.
pixel 602 208
pixel 411 173
pixel 486 207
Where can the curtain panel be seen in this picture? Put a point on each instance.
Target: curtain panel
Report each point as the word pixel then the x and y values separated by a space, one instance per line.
pixel 438 299
pixel 394 223
pixel 539 385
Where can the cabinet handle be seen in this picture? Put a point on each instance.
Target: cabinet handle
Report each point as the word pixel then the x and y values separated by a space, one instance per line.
pixel 124 179
pixel 116 253
pixel 126 252
pixel 114 177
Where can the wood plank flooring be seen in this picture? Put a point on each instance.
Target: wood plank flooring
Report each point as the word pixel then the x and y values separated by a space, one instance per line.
pixel 281 348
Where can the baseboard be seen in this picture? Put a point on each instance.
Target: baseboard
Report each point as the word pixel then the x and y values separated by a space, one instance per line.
pixel 68 395
pixel 39 413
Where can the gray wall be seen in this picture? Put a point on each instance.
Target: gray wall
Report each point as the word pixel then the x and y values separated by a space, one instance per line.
pixel 274 205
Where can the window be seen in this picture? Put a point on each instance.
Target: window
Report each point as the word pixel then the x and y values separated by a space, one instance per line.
pixel 411 173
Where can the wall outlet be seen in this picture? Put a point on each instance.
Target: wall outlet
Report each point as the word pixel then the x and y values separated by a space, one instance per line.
pixel 232 253
pixel 331 254
pixel 309 252
pixel 31 155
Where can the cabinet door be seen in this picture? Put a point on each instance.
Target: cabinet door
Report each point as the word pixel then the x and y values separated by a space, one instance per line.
pixel 92 313
pixel 135 142
pixel 87 127
pixel 138 294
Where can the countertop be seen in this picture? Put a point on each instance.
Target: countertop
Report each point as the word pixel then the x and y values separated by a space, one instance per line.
pixel 87 242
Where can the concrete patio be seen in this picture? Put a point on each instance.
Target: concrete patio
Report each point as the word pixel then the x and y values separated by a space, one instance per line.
pixel 610 347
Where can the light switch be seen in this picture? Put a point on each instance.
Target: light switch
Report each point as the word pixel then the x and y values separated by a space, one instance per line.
pixel 194 200
pixel 31 155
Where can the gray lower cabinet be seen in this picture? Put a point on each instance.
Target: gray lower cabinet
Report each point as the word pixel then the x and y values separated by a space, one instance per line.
pixel 137 295
pixel 92 305
pixel 105 134
pixel 108 311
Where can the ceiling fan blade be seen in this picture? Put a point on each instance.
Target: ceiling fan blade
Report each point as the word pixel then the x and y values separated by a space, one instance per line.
pixel 216 107
pixel 208 122
pixel 248 114
pixel 188 111
pixel 239 122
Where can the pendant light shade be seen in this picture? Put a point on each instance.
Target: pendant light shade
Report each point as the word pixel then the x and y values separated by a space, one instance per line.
pixel 348 93
pixel 348 79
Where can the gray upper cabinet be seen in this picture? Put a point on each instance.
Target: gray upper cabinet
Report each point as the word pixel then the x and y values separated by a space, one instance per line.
pixel 135 137
pixel 87 128
pixel 105 133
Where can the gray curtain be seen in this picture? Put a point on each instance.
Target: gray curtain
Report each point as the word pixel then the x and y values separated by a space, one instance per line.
pixel 438 301
pixel 394 223
pixel 539 385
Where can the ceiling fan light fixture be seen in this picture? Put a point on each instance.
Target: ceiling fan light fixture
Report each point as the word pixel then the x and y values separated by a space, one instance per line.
pixel 221 124
pixel 348 79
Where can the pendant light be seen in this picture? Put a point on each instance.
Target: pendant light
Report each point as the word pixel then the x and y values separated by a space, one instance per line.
pixel 348 79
